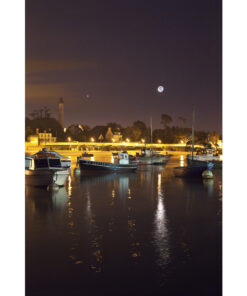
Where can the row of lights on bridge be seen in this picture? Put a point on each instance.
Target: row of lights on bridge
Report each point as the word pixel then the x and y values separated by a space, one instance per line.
pixel 127 140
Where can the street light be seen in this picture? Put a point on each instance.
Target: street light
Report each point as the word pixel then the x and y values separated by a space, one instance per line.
pixel 69 139
pixel 127 140
pixel 142 140
pixel 159 141
pixel 92 139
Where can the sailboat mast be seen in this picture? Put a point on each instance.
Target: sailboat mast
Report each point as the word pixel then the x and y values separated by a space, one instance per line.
pixel 193 130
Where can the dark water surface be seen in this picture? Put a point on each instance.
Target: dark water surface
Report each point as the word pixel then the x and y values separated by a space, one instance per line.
pixel 144 233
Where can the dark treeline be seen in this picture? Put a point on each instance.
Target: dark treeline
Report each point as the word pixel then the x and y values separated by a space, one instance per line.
pixel 138 131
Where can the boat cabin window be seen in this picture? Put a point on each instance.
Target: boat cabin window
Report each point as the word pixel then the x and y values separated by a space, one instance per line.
pixel 123 156
pixel 55 162
pixel 41 163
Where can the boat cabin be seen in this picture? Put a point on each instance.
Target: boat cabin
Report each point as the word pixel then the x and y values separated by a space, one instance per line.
pixel 49 159
pixel 148 152
pixel 45 163
pixel 121 158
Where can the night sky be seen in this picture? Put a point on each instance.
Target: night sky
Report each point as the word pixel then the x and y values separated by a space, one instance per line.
pixel 107 58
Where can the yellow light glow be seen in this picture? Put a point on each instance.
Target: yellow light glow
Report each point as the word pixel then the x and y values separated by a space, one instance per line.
pixel 113 140
pixel 142 140
pixel 181 160
pixel 92 139
pixel 69 187
pixel 34 140
pixel 69 139
pixel 127 140
pixel 159 141
pixel 159 183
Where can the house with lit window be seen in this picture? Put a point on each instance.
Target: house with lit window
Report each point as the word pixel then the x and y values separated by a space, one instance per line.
pixel 117 136
pixel 41 138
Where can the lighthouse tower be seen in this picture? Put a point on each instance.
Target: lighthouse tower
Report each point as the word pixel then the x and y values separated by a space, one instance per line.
pixel 61 112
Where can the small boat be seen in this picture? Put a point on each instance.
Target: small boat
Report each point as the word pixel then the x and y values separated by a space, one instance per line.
pixel 205 156
pixel 194 170
pixel 121 164
pixel 46 170
pixel 148 156
pixel 65 160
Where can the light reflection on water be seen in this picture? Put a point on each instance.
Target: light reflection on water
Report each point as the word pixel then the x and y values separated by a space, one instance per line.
pixel 44 201
pixel 161 232
pixel 209 184
pixel 147 224
pixel 181 160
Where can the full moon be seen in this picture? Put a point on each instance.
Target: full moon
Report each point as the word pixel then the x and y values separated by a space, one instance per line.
pixel 160 89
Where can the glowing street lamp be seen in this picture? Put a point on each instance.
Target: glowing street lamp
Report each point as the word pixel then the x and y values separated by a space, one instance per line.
pixel 127 140
pixel 92 139
pixel 142 140
pixel 159 141
pixel 69 139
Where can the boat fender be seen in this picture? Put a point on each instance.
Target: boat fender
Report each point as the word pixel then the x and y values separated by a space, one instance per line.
pixel 207 174
pixel 77 171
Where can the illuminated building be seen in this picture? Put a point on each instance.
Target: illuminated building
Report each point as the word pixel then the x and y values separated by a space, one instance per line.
pixel 109 134
pixel 117 137
pixel 42 138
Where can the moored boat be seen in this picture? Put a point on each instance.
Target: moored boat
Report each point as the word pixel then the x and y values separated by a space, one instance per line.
pixel 121 164
pixel 203 157
pixel 148 156
pixel 193 169
pixel 46 170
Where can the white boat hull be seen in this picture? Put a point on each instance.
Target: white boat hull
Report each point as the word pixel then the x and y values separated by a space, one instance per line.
pixel 46 177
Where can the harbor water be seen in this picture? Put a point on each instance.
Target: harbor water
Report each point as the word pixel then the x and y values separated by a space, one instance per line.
pixel 143 233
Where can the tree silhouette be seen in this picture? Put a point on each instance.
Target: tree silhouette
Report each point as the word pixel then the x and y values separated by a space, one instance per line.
pixel 145 132
pixel 165 120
